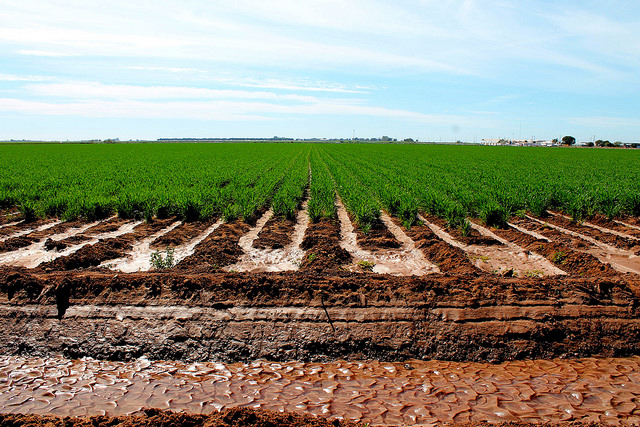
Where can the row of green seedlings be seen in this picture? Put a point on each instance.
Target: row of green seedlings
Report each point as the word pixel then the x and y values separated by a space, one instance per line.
pixel 287 200
pixel 322 192
pixel 357 198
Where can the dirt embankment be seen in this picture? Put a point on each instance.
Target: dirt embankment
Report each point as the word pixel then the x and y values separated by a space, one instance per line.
pixel 322 245
pixel 235 417
pixel 314 316
pixel 276 234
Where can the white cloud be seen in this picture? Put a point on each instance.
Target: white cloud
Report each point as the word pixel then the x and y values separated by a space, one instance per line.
pixel 24 78
pixel 45 53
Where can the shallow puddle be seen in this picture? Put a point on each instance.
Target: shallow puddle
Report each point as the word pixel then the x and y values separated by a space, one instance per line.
pixel 601 390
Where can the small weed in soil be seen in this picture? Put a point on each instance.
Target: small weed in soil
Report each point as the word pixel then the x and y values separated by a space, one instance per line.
pixel 366 265
pixel 162 261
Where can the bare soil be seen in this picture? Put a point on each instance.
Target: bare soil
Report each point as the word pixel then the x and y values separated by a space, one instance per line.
pixel 449 259
pixel 276 234
pixel 611 239
pixel 217 250
pixel 180 235
pixel 322 245
pixel 378 237
pixel 474 237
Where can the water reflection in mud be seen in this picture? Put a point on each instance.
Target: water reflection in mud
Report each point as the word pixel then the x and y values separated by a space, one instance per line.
pixel 606 390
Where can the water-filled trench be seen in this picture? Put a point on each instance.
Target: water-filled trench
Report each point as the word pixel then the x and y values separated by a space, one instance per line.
pixel 412 392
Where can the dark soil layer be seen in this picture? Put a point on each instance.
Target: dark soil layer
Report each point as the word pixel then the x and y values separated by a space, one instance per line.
pixel 217 250
pixel 21 226
pixel 181 234
pixel 315 316
pixel 322 245
pixel 16 243
pixel 561 255
pixel 236 417
pixel 604 222
pixel 276 234
pixel 474 237
pixel 94 255
pixel 448 258
pixel 379 237
pixel 9 215
pixel 59 245
pixel 611 239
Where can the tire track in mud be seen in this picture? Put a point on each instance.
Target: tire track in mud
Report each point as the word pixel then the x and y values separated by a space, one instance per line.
pixel 622 260
pixel 287 258
pixel 404 261
pixel 139 258
pixel 505 257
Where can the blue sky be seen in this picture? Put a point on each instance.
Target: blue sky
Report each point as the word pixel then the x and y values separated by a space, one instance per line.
pixel 432 70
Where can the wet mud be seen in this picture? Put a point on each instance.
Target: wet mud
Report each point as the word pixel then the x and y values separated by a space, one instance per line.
pixel 414 392
pixel 92 255
pixel 108 226
pixel 474 237
pixel 450 259
pixel 617 241
pixel 564 251
pixel 311 316
pixel 615 225
pixel 276 234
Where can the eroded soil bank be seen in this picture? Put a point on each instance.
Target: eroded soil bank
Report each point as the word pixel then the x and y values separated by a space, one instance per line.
pixel 314 316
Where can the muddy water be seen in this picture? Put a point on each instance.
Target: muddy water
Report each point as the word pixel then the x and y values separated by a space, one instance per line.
pixel 605 390
pixel 405 261
pixel 622 260
pixel 139 258
pixel 187 249
pixel 499 258
pixel 285 259
pixel 597 227
pixel 30 230
pixel 36 253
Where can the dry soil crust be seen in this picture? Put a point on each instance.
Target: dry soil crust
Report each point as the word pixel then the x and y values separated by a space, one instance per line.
pixel 315 316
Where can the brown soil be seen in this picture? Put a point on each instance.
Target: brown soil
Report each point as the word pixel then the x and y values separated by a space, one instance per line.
pixel 611 239
pixel 8 215
pixel 235 417
pixel 474 237
pixel 181 234
pixel 561 255
pixel 377 238
pixel 322 245
pixel 276 234
pixel 604 222
pixel 16 243
pixel 94 255
pixel 448 258
pixel 21 226
pixel 59 245
pixel 217 250
pixel 316 316
pixel 107 226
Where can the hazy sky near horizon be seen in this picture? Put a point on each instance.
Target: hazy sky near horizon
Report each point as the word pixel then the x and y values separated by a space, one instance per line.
pixel 432 70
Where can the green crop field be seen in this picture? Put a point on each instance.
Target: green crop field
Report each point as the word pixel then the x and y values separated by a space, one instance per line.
pixel 203 181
